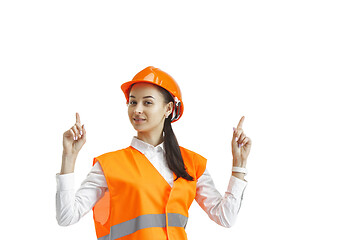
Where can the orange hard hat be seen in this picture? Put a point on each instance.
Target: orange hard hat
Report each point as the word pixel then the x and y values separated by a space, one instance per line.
pixel 162 79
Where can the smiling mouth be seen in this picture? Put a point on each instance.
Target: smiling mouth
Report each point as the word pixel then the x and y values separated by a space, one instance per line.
pixel 138 120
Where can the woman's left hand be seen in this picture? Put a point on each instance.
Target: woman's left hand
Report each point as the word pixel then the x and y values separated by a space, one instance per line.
pixel 241 145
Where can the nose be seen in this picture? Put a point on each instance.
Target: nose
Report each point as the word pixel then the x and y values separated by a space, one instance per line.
pixel 138 109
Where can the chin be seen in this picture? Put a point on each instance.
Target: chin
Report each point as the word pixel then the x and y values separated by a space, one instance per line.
pixel 139 128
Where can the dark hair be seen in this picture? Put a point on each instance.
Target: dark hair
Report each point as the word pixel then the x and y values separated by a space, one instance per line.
pixel 172 149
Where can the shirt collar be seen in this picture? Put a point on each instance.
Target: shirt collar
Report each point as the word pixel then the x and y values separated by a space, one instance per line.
pixel 144 147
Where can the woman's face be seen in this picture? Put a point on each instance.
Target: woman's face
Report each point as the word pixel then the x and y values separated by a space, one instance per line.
pixel 147 108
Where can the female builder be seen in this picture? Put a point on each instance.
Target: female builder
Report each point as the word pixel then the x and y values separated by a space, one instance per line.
pixel 145 190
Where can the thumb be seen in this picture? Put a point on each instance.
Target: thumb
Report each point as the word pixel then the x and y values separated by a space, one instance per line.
pixel 83 129
pixel 83 132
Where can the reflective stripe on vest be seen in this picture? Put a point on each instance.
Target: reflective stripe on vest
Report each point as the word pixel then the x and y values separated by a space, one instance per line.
pixel 145 221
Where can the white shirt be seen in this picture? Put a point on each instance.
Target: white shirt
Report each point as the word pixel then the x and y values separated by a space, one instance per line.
pixel 71 206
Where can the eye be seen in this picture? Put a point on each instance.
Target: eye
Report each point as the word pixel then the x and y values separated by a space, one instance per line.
pixel 148 103
pixel 132 103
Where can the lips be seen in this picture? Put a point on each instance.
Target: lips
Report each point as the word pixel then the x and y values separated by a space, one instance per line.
pixel 139 120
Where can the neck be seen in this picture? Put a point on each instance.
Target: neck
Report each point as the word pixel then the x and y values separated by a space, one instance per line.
pixel 151 139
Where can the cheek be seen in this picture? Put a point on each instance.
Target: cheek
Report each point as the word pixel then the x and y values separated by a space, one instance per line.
pixel 130 112
pixel 156 113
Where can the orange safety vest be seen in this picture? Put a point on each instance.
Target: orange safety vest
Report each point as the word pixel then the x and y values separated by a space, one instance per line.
pixel 140 204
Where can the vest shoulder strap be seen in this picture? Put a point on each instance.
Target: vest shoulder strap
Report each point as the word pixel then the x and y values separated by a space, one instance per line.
pixel 111 155
pixel 194 160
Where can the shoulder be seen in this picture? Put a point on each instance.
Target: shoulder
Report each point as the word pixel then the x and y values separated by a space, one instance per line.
pixel 195 160
pixel 192 154
pixel 111 155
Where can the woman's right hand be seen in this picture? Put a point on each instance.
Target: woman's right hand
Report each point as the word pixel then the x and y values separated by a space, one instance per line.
pixel 74 138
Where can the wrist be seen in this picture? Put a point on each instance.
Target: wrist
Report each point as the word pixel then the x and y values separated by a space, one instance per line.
pixel 69 156
pixel 239 163
pixel 68 163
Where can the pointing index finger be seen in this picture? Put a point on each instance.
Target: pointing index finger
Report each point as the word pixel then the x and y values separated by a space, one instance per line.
pixel 241 122
pixel 77 118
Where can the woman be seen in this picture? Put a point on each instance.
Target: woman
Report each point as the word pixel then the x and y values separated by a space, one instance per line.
pixel 144 191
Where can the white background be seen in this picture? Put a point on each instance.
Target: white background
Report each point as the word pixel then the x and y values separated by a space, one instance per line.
pixel 291 67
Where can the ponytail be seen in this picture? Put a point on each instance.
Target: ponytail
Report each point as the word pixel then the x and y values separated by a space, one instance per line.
pixel 172 149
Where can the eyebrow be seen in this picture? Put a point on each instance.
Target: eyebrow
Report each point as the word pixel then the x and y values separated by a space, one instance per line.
pixel 131 96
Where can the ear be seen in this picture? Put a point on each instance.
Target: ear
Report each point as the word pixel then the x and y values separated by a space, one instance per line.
pixel 169 109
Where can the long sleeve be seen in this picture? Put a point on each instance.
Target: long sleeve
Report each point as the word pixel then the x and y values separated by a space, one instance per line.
pixel 71 206
pixel 221 209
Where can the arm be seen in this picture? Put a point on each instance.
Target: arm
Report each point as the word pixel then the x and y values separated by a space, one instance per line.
pixel 224 210
pixel 221 209
pixel 70 206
